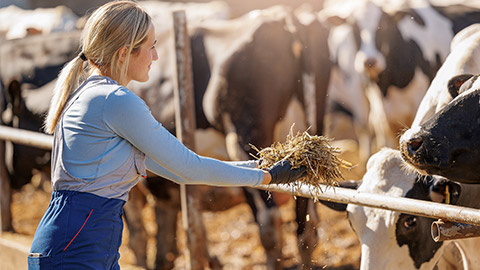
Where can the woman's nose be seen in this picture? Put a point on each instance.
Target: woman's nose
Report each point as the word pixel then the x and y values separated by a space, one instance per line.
pixel 154 55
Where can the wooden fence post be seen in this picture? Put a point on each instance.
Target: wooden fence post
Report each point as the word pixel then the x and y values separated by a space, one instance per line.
pixel 5 189
pixel 5 193
pixel 196 254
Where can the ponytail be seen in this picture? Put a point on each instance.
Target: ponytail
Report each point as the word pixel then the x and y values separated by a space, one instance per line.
pixel 115 25
pixel 68 80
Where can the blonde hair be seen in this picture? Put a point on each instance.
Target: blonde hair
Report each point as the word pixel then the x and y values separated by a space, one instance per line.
pixel 110 28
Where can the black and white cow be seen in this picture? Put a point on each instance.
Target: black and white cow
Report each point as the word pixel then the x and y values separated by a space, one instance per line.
pixel 443 138
pixel 398 52
pixel 382 232
pixel 393 240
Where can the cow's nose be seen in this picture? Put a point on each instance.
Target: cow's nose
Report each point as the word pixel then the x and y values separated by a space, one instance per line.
pixel 370 63
pixel 413 145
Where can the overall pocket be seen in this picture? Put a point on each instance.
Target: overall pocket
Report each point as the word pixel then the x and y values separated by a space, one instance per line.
pixel 38 261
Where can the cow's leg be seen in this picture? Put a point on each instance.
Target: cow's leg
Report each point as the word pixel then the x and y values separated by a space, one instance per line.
pixel 265 211
pixel 136 227
pixel 267 216
pixel 166 213
pixel 364 139
pixel 167 207
pixel 378 120
pixel 307 221
pixel 166 217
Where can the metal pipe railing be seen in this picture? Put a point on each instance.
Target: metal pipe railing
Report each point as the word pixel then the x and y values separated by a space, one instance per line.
pixel 451 213
pixel 444 230
pixel 26 137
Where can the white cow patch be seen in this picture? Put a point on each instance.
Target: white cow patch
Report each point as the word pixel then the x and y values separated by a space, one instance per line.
pixel 377 118
pixel 399 114
pixel 430 42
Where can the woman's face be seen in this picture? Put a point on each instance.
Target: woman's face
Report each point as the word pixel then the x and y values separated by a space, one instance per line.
pixel 141 60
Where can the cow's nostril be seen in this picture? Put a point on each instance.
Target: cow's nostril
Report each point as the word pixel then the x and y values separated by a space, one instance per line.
pixel 370 63
pixel 413 145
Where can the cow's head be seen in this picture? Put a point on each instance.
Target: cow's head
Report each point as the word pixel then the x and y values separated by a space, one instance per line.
pixel 377 35
pixel 392 240
pixel 447 144
pixel 380 36
pixel 365 19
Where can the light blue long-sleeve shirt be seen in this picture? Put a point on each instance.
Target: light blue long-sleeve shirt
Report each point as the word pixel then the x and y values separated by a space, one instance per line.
pixel 104 121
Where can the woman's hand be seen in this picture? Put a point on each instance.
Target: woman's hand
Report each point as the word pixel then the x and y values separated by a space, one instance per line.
pixel 282 173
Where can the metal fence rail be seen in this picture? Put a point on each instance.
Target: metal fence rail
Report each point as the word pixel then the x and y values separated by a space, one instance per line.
pixel 342 195
pixel 405 205
pixel 26 137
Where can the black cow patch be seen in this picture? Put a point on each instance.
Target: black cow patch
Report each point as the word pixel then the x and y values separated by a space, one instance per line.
pixel 402 56
pixel 414 231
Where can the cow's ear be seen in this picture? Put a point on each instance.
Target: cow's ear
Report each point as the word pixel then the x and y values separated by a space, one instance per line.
pixel 455 83
pixel 455 191
pixel 443 190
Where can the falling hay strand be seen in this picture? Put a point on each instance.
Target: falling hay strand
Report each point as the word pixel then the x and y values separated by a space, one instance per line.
pixel 314 152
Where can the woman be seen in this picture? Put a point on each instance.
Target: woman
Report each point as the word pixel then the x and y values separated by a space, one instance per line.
pixel 105 138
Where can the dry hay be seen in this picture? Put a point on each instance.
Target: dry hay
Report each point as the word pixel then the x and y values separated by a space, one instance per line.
pixel 314 152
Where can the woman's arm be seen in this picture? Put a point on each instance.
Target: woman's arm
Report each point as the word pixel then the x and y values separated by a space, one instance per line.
pixel 128 116
pixel 161 171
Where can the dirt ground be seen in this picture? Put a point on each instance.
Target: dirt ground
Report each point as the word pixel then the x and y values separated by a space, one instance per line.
pixel 233 235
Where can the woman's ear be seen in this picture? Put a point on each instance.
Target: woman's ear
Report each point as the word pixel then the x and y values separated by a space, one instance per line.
pixel 122 54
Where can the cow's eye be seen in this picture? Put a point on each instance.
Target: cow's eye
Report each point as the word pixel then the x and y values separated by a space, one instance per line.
pixel 406 228
pixel 410 222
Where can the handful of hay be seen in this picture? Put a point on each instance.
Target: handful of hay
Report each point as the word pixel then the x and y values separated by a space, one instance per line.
pixel 314 152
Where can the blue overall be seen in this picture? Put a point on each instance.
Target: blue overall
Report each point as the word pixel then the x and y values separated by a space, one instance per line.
pixel 78 231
